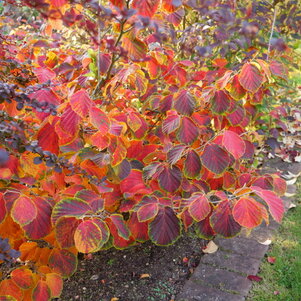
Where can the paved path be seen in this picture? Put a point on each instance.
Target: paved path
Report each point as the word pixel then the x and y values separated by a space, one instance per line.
pixel 222 276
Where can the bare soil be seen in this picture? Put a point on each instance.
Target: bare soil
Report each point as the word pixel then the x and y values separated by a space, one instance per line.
pixel 141 273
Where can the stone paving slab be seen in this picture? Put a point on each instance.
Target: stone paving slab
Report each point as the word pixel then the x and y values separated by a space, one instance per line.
pixel 201 292
pixel 243 246
pixel 222 279
pixel 233 262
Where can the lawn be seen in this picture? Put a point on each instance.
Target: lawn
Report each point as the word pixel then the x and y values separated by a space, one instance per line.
pixel 282 280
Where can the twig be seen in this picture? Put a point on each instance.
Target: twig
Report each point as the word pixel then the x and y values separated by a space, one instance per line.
pixel 272 31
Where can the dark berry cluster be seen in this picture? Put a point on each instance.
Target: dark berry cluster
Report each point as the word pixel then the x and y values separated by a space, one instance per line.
pixel 8 93
pixel 7 254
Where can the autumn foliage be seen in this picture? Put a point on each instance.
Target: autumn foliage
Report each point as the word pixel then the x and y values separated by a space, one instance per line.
pixel 121 123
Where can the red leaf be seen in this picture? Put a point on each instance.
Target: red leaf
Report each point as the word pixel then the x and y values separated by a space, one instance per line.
pixel 185 103
pixel 247 213
pixel 147 212
pixel 24 210
pixel 81 103
pixel 146 8
pixel 139 230
pixel 87 237
pixel 104 62
pixel 133 184
pixel 44 74
pixel 55 284
pixel 23 277
pixel 3 210
pixel 271 260
pixel 215 158
pixel 64 231
pixel 192 165
pixel 136 48
pixel 278 69
pixel 250 77
pixel 175 154
pixel 165 229
pixel 10 291
pixel 171 123
pixel 170 178
pixel 70 121
pixel 199 206
pixel 234 144
pixel 100 120
pixel 235 89
pixel 254 278
pixel 188 132
pixel 41 225
pixel 220 102
pixel 48 138
pixel 204 229
pixel 63 262
pixel 118 221
pixel 44 95
pixel 237 116
pixel 222 220
pixel 41 291
pixel 69 207
pixel 274 202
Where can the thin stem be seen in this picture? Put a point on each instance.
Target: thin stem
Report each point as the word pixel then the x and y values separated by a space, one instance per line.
pixel 272 31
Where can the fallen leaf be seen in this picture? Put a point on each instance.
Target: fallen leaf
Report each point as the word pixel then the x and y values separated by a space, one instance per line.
pixel 292 205
pixel 266 242
pixel 271 259
pixel 114 299
pixel 254 278
pixel 210 248
pixel 144 276
pixel 185 259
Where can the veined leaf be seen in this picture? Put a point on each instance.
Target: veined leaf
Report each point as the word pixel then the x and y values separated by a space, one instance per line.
pixel 215 158
pixel 250 77
pixel 204 229
pixel 234 144
pixel 24 210
pixel 64 231
pixel 192 165
pixel 147 212
pixel 99 119
pixel 81 103
pixel 63 262
pixel 55 284
pixel 170 178
pixel 220 102
pixel 175 154
pixel 119 223
pixel 185 103
pixel 146 8
pixel 171 123
pixel 188 132
pixel 69 207
pixel 23 277
pixel 247 213
pixel 199 206
pixel 165 228
pixel 87 237
pixel 274 202
pixel 41 291
pixel 222 220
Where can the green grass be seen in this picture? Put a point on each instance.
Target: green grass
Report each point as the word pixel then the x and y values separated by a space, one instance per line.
pixel 282 280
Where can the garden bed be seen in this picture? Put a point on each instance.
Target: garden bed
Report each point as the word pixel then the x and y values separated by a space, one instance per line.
pixel 144 272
